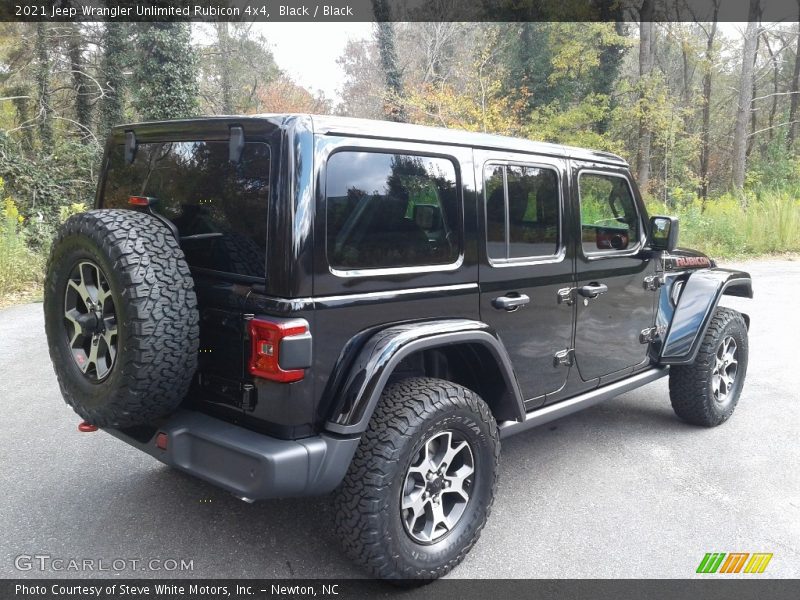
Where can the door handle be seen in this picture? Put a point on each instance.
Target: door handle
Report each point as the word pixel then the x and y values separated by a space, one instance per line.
pixel 593 290
pixel 510 302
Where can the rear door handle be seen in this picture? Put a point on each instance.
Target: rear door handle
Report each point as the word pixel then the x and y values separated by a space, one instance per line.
pixel 511 302
pixel 593 290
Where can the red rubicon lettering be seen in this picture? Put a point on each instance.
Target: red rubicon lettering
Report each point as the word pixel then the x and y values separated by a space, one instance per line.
pixel 691 261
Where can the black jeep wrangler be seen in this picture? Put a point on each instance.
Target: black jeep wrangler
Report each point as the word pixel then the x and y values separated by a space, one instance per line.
pixel 287 305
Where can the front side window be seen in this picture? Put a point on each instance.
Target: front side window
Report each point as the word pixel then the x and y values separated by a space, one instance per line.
pixel 219 208
pixel 609 221
pixel 391 210
pixel 522 211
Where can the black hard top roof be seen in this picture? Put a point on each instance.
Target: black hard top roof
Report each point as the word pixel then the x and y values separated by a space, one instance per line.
pixel 337 125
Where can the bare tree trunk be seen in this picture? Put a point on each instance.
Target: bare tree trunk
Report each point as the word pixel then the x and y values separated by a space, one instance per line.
pixel 795 93
pixel 224 41
pixel 645 70
pixel 42 76
pixel 775 78
pixel 751 137
pixel 705 135
pixel 80 82
pixel 745 96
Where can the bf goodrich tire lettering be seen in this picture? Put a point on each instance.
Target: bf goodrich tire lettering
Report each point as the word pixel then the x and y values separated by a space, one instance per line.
pixel 118 278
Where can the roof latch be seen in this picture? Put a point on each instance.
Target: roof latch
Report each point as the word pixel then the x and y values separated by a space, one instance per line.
pixel 130 147
pixel 236 144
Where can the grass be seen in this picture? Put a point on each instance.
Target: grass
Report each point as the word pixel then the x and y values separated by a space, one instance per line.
pixel 769 224
pixel 20 267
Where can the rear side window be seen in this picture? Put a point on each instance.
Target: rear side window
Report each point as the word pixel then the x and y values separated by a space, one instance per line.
pixel 609 221
pixel 219 208
pixel 522 211
pixel 391 210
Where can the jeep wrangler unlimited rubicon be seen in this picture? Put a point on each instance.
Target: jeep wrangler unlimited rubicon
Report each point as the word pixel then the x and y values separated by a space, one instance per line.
pixel 288 305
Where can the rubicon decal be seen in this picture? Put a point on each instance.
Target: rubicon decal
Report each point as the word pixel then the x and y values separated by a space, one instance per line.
pixel 691 261
pixel 734 562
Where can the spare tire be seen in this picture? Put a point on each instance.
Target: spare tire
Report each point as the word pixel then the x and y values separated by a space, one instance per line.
pixel 121 317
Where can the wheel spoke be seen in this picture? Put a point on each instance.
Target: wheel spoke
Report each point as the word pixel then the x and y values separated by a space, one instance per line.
pixel 715 383
pixel 92 359
pixel 452 452
pixel 82 291
pixel 425 463
pixel 435 519
pixel 77 329
pixel 104 359
pixel 457 481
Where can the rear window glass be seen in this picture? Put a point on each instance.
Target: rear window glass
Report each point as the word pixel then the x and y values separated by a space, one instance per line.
pixel 391 210
pixel 219 208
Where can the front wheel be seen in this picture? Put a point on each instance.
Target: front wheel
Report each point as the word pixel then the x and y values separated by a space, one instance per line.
pixel 421 485
pixel 707 391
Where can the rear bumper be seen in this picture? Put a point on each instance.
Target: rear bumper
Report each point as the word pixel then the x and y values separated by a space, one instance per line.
pixel 250 465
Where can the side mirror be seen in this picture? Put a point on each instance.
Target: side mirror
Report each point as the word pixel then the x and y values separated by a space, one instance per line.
pixel 663 233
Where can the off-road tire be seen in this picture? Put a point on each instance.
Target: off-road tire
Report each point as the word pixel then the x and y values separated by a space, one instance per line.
pixel 368 513
pixel 156 316
pixel 690 386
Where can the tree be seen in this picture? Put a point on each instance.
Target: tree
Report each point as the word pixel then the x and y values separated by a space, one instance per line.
pixel 794 100
pixel 80 79
pixel 705 128
pixel 477 104
pixel 282 95
pixel 646 52
pixel 224 61
pixel 165 75
pixel 744 105
pixel 233 69
pixel 385 37
pixel 42 77
pixel 362 89
pixel 115 49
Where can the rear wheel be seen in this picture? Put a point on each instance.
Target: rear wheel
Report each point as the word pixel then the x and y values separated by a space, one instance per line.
pixel 421 485
pixel 707 391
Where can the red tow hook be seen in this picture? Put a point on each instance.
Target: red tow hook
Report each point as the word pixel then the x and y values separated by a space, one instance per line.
pixel 86 427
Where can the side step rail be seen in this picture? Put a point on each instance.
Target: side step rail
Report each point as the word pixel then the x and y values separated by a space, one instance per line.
pixel 585 400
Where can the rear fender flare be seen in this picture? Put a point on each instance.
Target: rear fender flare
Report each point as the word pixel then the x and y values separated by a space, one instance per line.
pixel 385 349
pixel 689 320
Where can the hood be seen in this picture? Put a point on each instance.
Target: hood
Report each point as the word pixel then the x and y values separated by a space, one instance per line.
pixel 682 259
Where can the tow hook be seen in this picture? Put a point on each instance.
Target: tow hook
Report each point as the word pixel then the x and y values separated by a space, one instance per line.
pixel 86 427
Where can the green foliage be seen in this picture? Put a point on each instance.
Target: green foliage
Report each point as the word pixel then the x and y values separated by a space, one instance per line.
pixel 770 224
pixel 113 64
pixel 165 77
pixel 19 266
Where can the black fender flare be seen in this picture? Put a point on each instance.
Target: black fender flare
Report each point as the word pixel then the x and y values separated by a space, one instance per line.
pixel 687 324
pixel 384 350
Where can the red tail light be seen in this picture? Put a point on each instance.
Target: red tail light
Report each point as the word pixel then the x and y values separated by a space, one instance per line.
pixel 139 200
pixel 265 353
